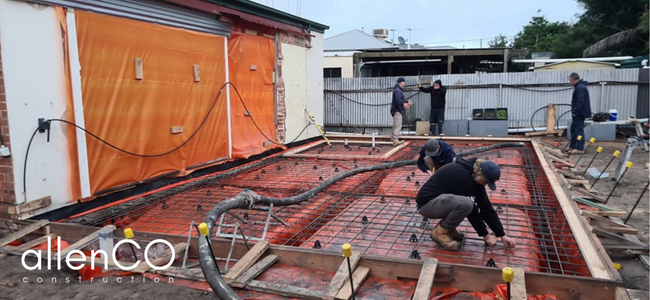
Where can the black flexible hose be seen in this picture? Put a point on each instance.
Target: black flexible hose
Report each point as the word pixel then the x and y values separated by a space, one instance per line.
pixel 248 198
pixel 543 107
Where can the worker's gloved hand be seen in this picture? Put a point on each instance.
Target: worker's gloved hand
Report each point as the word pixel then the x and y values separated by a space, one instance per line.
pixel 508 241
pixel 490 240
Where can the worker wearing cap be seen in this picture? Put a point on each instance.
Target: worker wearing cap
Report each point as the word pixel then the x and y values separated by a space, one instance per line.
pixel 397 109
pixel 457 191
pixel 435 154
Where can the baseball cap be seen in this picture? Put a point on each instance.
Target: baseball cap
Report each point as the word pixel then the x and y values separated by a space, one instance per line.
pixel 432 147
pixel 400 79
pixel 491 172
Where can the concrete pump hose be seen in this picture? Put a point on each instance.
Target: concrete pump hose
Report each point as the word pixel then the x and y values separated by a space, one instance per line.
pixel 247 198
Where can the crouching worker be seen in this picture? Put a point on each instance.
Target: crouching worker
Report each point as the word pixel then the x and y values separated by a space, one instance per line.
pixel 457 191
pixel 434 155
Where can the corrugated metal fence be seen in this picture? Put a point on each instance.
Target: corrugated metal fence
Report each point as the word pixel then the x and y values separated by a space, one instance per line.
pixel 363 104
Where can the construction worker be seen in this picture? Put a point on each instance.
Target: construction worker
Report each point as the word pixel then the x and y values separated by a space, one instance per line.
pixel 457 191
pixel 435 154
pixel 397 109
pixel 580 110
pixel 437 113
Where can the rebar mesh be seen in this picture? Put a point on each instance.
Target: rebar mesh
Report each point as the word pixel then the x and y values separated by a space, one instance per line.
pixel 374 211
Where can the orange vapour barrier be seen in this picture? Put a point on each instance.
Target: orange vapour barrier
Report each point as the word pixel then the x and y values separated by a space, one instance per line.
pixel 136 114
pixel 376 213
pixel 394 228
pixel 251 63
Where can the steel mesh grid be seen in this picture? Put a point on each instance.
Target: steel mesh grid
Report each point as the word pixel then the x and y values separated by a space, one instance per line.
pixel 525 202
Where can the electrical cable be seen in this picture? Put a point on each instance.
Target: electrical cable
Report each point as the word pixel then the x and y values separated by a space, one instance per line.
pixel 533 115
pixel 368 104
pixel 45 126
pixel 540 91
pixel 247 198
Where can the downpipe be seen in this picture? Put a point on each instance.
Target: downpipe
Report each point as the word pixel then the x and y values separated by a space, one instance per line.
pixel 247 198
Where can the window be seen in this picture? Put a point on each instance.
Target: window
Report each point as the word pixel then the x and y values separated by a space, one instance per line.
pixel 332 73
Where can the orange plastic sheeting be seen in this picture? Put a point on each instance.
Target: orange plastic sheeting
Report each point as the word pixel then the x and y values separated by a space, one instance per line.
pixel 300 175
pixel 390 226
pixel 69 131
pixel 404 181
pixel 251 63
pixel 137 115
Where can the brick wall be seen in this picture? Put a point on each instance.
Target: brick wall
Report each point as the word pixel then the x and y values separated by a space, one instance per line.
pixel 7 193
pixel 280 105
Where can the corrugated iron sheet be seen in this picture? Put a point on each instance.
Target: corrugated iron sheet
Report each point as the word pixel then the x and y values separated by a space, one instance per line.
pixel 365 102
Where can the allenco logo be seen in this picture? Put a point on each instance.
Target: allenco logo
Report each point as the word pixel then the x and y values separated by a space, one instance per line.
pixel 93 254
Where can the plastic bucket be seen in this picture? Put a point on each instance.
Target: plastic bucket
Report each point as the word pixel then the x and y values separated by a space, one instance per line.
pixel 613 114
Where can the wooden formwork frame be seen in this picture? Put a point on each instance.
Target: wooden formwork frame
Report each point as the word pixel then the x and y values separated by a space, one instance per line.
pixel 296 152
pixel 605 284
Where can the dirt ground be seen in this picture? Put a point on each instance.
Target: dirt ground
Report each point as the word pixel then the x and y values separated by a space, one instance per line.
pixel 634 273
pixel 632 270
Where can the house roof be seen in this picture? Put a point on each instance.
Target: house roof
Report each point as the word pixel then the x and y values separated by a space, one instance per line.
pixel 575 60
pixel 353 40
pixel 270 13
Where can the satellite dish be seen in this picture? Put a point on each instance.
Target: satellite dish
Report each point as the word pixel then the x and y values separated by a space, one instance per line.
pixel 401 40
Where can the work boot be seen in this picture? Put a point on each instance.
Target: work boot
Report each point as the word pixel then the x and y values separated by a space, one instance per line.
pixel 455 235
pixel 397 143
pixel 576 152
pixel 442 236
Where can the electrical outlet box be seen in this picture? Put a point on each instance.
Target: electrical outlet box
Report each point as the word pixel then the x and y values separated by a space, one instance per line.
pixel 4 151
pixel 177 129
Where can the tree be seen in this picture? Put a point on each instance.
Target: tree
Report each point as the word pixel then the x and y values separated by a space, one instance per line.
pixel 539 35
pixel 607 27
pixel 500 41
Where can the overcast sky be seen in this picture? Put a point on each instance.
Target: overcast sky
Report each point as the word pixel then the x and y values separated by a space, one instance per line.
pixel 434 22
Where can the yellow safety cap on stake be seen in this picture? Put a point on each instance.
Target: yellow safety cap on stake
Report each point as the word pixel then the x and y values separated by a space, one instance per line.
pixel 347 250
pixel 203 228
pixel 579 138
pixel 508 274
pixel 599 149
pixel 617 153
pixel 628 164
pixel 617 266
pixel 128 233
pixel 592 140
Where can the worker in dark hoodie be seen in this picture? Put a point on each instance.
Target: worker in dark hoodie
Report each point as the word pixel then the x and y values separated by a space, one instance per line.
pixel 580 110
pixel 457 191
pixel 435 154
pixel 398 108
pixel 437 114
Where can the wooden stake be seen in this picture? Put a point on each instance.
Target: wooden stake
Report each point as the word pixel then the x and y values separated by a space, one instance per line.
pixel 550 118
pixel 246 261
pixel 197 74
pixel 425 283
pixel 139 72
pixel 341 276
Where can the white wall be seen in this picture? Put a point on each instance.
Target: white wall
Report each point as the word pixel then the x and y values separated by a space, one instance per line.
pixel 33 63
pixel 302 73
pixel 315 100
pixel 343 62
pixel 294 75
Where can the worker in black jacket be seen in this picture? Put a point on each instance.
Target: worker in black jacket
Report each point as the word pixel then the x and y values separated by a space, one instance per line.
pixel 437 113
pixel 457 191
pixel 580 110
pixel 435 154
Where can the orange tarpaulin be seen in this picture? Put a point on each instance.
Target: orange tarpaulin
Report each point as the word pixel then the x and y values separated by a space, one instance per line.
pixel 137 115
pixel 251 63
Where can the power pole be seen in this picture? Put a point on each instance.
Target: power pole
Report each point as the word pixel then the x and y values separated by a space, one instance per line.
pixel 409 41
